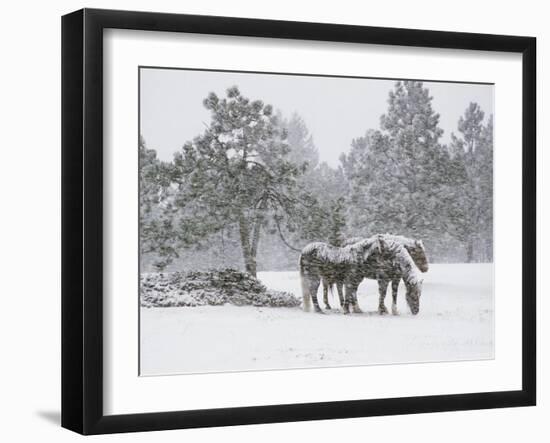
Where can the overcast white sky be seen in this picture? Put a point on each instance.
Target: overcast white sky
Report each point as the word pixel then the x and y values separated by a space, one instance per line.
pixel 335 110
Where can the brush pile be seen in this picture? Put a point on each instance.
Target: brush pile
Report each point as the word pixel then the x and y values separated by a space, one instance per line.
pixel 217 287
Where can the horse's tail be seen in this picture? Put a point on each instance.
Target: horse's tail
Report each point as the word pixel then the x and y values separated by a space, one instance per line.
pixel 306 297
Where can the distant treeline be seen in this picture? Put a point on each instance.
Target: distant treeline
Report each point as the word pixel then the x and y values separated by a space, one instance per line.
pixel 250 190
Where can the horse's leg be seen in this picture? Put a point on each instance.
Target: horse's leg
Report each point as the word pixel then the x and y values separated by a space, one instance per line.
pixel 348 297
pixel 340 289
pixel 326 285
pixel 394 288
pixel 313 287
pixel 382 289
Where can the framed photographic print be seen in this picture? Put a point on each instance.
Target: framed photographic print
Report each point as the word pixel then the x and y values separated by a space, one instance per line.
pixel 270 221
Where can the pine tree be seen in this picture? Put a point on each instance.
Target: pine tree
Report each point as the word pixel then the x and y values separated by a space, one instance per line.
pixel 365 168
pixel 471 128
pixel 460 208
pixel 485 157
pixel 400 183
pixel 302 150
pixel 337 223
pixel 155 223
pixel 236 174
pixel 472 151
pixel 320 187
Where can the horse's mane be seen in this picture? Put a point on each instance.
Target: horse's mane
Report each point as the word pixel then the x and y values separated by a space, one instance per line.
pixel 335 254
pixel 405 241
pixel 391 239
pixel 352 240
pixel 327 253
pixel 364 244
pixel 406 264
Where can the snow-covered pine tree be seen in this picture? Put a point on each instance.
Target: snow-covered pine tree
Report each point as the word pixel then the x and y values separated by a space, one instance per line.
pixel 416 162
pixel 471 127
pixel 302 149
pixel 485 158
pixel 155 223
pixel 307 222
pixel 472 152
pixel 321 187
pixel 236 173
pixel 400 181
pixel 337 224
pixel 368 185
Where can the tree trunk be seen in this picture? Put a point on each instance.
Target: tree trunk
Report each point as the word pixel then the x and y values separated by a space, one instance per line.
pixel 489 249
pixel 470 250
pixel 257 227
pixel 250 265
pixel 248 255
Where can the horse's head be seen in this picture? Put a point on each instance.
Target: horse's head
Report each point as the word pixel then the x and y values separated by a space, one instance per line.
pixel 414 291
pixel 411 276
pixel 418 254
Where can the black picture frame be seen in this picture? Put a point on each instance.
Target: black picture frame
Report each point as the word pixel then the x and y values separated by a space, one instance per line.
pixel 82 218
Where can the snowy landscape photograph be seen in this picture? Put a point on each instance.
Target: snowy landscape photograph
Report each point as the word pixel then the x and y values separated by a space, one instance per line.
pixel 291 221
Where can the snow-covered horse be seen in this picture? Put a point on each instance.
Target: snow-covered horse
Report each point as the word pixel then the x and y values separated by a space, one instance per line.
pixel 333 265
pixel 393 266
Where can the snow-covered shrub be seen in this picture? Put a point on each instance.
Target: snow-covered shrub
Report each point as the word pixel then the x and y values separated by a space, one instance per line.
pixel 199 288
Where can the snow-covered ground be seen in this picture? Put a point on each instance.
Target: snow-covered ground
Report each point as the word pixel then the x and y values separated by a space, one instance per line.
pixel 455 322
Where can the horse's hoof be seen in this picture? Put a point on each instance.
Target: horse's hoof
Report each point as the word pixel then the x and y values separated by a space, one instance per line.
pixel 357 311
pixel 319 311
pixel 394 311
pixel 327 308
pixel 382 310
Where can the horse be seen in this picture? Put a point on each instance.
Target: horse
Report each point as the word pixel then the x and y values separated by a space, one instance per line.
pixel 388 270
pixel 335 265
pixel 397 264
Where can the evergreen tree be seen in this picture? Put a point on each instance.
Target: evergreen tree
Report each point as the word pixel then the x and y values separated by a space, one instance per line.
pixel 236 174
pixel 472 152
pixel 302 150
pixel 320 187
pixel 471 128
pixel 398 176
pixel 337 223
pixel 368 185
pixel 485 157
pixel 155 223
